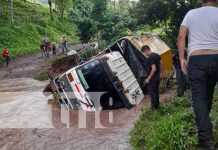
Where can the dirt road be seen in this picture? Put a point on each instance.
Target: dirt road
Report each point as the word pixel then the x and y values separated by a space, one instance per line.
pixel 28 66
pixel 29 122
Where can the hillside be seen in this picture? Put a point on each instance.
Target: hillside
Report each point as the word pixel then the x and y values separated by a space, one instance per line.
pixel 32 22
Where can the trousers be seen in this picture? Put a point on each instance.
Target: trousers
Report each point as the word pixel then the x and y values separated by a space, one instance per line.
pixel 203 76
pixel 153 90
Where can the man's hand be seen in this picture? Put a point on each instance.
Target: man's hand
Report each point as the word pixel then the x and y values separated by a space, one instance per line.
pixel 183 32
pixel 147 81
pixel 184 66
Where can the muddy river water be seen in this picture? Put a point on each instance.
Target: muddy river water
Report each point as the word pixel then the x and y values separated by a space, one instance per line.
pixel 28 121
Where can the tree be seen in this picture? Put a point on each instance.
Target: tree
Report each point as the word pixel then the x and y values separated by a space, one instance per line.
pixel 99 10
pixel 10 3
pixel 96 20
pixel 124 4
pixel 74 4
pixel 50 8
pixel 164 14
pixel 116 24
pixel 62 5
pixel 81 16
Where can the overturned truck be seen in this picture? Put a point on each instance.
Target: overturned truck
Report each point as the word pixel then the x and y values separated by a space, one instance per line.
pixel 114 78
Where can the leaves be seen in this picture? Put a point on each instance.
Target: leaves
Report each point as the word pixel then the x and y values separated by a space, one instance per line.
pixel 62 5
pixel 96 19
pixel 165 14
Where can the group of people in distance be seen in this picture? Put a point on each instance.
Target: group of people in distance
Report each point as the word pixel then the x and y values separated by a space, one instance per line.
pixel 47 46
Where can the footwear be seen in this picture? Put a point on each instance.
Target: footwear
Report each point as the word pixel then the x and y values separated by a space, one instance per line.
pixel 206 145
pixel 154 107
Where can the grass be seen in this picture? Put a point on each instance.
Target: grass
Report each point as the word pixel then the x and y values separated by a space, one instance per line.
pixel 170 128
pixel 32 22
pixel 214 115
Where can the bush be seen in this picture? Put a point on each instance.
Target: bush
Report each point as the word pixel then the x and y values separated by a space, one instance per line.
pixel 42 76
pixel 169 128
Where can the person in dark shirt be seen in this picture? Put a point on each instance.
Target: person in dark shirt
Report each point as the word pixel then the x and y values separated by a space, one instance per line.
pixel 180 76
pixel 153 79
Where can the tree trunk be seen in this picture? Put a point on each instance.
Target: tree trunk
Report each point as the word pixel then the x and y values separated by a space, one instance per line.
pixel 62 11
pixel 172 38
pixel 11 11
pixel 74 4
pixel 114 4
pixel 50 8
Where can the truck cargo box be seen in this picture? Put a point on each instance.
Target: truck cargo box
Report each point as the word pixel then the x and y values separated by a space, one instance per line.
pixel 130 47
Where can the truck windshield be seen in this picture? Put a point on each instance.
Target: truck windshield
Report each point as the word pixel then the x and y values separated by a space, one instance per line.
pixel 94 78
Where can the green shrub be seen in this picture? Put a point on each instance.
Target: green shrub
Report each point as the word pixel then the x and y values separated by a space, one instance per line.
pixel 172 133
pixel 214 114
pixel 169 128
pixel 42 76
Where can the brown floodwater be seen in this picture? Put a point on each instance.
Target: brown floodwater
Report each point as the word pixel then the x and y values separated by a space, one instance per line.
pixel 28 121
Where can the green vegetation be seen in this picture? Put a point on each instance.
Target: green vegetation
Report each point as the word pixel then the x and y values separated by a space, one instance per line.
pixel 164 15
pixel 23 24
pixel 214 115
pixel 101 19
pixel 170 128
pixel 31 23
pixel 41 76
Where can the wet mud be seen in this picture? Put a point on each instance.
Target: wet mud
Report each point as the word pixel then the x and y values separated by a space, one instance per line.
pixel 29 122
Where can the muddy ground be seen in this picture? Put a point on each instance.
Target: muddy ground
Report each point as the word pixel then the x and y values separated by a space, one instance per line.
pixel 30 122
pixel 28 66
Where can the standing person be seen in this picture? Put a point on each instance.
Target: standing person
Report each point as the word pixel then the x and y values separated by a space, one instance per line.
pixel 54 47
pixel 202 63
pixel 180 76
pixel 47 46
pixel 42 46
pixel 153 79
pixel 5 55
pixel 63 42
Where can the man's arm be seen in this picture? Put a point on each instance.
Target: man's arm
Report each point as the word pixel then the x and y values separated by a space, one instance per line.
pixel 181 47
pixel 153 70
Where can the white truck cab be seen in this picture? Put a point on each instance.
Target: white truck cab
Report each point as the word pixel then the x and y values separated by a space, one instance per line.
pixel 105 82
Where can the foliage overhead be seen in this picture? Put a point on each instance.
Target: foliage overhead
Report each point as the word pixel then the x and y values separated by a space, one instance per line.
pixel 164 14
pixel 81 16
pixel 96 19
pixel 62 5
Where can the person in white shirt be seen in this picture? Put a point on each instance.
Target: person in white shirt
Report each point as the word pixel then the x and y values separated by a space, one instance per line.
pixel 201 27
pixel 63 42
